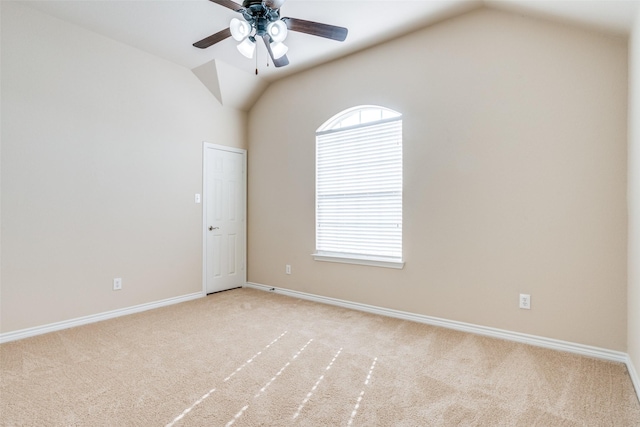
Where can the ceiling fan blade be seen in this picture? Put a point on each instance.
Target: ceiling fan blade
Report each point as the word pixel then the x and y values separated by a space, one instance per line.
pixel 280 62
pixel 274 4
pixel 316 29
pixel 229 4
pixel 213 39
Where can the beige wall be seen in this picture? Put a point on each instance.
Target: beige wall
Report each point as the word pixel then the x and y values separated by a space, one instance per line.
pixel 101 158
pixel 633 332
pixel 515 154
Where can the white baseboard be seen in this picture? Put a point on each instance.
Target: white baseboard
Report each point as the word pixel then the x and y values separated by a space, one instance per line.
pixel 635 379
pixel 39 330
pixel 585 350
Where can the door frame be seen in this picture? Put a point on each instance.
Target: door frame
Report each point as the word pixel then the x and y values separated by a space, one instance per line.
pixel 208 146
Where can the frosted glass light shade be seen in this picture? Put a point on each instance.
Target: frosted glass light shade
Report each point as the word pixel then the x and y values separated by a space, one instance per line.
pixel 247 48
pixel 277 30
pixel 279 49
pixel 239 29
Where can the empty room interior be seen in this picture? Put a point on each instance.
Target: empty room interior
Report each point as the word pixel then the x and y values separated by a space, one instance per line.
pixel 164 259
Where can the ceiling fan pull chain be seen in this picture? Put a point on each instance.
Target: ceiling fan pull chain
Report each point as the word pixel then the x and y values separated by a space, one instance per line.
pixel 256 62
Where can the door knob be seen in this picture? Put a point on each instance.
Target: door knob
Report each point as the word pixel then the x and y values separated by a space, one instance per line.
pixel 211 228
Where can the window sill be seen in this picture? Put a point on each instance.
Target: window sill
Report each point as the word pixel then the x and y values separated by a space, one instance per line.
pixel 358 259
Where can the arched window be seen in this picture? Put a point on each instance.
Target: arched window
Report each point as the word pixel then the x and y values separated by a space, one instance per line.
pixel 359 187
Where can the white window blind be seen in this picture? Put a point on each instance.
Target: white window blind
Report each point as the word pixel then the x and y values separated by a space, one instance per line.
pixel 359 190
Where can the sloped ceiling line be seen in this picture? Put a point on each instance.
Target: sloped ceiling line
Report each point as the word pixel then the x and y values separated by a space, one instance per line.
pixel 167 30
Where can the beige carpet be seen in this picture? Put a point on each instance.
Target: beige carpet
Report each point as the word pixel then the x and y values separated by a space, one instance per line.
pixel 252 358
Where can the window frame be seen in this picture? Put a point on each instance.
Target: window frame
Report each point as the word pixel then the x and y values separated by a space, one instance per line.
pixel 333 125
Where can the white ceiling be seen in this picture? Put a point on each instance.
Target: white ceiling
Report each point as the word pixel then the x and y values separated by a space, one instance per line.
pixel 168 28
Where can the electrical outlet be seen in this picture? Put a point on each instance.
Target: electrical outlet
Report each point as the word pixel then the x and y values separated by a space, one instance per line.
pixel 525 301
pixel 117 284
pixel 287 269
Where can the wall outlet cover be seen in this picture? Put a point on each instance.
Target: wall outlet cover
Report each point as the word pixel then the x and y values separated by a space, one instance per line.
pixel 525 301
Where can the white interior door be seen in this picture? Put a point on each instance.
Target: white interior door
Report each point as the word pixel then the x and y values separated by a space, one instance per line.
pixel 224 218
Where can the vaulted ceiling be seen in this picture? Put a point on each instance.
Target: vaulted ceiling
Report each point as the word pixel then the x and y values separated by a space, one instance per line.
pixel 168 28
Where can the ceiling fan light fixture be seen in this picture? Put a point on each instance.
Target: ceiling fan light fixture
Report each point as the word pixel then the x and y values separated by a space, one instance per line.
pixel 279 49
pixel 240 30
pixel 247 48
pixel 278 31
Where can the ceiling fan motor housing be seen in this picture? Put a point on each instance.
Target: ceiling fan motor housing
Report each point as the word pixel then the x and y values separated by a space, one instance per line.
pixel 259 15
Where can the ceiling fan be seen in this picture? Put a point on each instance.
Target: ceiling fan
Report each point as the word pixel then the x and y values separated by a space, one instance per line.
pixel 262 20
